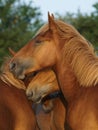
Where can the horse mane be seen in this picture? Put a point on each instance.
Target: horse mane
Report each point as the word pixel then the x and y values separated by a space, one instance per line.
pixel 78 52
pixel 7 77
pixel 83 61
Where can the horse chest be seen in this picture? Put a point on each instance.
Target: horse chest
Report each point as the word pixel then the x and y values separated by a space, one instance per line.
pixel 82 114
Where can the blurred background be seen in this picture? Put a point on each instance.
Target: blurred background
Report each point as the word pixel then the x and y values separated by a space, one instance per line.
pixel 20 19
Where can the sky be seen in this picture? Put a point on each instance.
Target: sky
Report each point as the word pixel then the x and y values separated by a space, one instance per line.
pixel 63 6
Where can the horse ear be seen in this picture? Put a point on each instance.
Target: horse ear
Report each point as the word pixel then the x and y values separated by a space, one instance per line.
pixel 51 22
pixel 11 51
pixel 53 16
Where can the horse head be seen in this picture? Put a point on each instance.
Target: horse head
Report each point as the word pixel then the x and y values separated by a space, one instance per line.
pixel 39 53
pixel 42 85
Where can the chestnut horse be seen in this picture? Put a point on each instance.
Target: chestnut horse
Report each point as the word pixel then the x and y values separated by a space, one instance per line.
pixel 15 110
pixel 60 46
pixel 42 85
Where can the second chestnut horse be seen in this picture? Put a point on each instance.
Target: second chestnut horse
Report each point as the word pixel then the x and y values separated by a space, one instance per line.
pixel 41 85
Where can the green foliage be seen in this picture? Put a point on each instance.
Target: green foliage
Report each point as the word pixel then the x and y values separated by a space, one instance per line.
pixel 18 23
pixel 86 24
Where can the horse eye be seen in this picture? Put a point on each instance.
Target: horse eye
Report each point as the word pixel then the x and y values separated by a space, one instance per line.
pixel 37 42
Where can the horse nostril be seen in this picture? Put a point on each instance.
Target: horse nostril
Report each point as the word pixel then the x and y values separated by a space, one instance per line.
pixel 12 66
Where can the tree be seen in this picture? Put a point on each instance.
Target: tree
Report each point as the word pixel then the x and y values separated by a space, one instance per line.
pixel 86 24
pixel 18 23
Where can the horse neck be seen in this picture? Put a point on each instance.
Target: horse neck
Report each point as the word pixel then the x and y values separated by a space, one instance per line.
pixel 68 69
pixel 8 94
pixel 67 80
